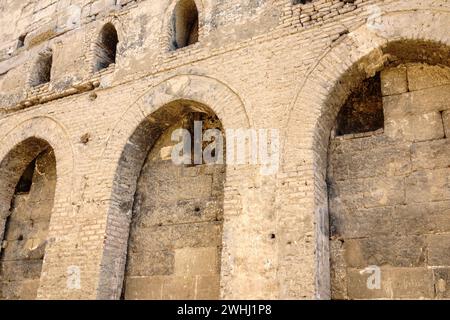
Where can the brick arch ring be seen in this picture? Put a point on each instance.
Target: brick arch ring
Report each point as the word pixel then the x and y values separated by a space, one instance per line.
pixel 358 55
pixel 26 141
pixel 126 151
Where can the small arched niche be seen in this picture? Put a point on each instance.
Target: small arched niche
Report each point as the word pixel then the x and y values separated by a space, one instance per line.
pixel 175 237
pixel 42 69
pixel 105 48
pixel 185 27
pixel 28 181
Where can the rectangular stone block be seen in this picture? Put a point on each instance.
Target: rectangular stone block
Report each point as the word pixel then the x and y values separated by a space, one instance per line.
pixel 196 261
pixel 150 263
pixel 369 193
pixel 421 218
pixel 426 186
pixel 422 76
pixel 207 287
pixel 179 236
pixel 438 250
pixel 146 288
pixel 390 160
pixel 29 289
pixel 393 81
pixel 387 250
pixel 418 102
pixel 421 127
pixel 359 222
pixel 20 270
pixel 431 154
pixel 178 288
pixel 182 211
pixel 396 283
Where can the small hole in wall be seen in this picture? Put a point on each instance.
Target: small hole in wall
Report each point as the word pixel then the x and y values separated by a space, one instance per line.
pixel 21 41
pixel 20 238
pixel 272 236
pixel 197 209
pixel 92 96
pixel 85 138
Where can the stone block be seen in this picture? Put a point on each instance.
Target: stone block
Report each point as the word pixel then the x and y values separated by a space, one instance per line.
pixel 20 270
pixel 398 283
pixel 207 287
pixel 178 288
pixel 359 222
pixel 426 186
pixel 394 81
pixel 369 193
pixel 196 261
pixel 431 154
pixel 178 236
pixel 182 211
pixel 144 288
pixel 421 218
pixel 418 102
pixel 421 127
pixel 423 76
pixel 150 263
pixel 29 289
pixel 387 250
pixel 438 250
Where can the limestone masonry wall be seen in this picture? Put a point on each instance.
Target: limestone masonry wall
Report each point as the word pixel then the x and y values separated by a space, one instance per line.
pixel 90 91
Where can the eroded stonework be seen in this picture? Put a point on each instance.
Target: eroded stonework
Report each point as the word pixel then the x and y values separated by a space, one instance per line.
pixel 358 92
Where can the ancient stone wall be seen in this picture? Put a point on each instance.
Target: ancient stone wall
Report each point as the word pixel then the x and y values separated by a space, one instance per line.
pixel 389 191
pixel 277 64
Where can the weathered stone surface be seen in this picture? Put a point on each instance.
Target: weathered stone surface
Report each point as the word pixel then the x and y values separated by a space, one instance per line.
pixel 282 65
pixel 386 251
pixel 425 186
pixel 438 253
pixel 394 81
pixel 423 76
pixel 396 283
pixel 389 193
pixel 197 261
pixel 421 127
pixel 431 155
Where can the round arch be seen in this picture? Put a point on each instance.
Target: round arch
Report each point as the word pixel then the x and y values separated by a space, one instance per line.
pixel 128 145
pixel 358 55
pixel 24 142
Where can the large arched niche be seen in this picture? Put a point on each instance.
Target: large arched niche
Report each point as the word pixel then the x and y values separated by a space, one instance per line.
pixel 38 143
pixel 144 126
pixel 358 56
pixel 28 175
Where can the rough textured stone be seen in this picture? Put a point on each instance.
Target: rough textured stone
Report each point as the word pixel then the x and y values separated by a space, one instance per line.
pixel 389 196
pixel 277 64
pixel 394 81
